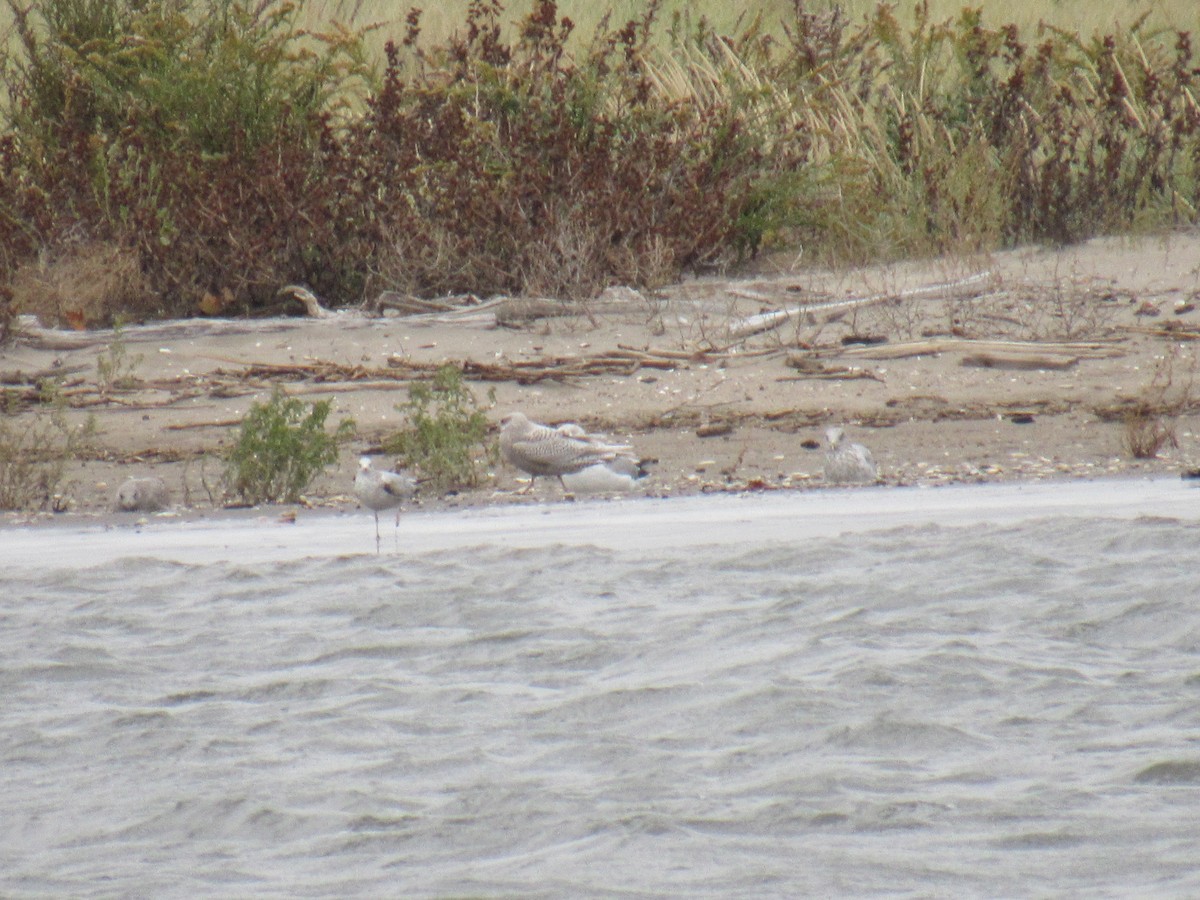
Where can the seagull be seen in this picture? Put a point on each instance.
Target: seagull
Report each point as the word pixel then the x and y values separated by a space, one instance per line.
pixel 142 495
pixel 622 474
pixel 541 450
pixel 846 461
pixel 382 490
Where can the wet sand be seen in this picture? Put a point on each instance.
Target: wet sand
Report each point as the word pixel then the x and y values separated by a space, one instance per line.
pixel 635 526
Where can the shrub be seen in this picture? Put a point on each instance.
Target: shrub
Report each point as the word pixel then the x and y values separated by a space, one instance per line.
pixel 184 131
pixel 282 446
pixel 224 151
pixel 34 453
pixel 115 367
pixel 1150 419
pixel 446 439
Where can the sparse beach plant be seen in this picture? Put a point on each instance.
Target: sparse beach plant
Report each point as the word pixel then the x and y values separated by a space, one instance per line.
pixel 282 445
pixel 446 440
pixel 34 452
pixel 1146 432
pixel 1149 422
pixel 115 366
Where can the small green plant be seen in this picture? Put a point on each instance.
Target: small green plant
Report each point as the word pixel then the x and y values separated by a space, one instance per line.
pixel 114 365
pixel 281 447
pixel 34 453
pixel 446 440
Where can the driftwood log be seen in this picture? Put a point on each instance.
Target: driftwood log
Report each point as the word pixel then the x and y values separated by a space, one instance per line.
pixel 1011 350
pixel 755 324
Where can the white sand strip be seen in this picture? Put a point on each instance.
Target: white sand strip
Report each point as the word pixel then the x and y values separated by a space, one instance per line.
pixel 630 525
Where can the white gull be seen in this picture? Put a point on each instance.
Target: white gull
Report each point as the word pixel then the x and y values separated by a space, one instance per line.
pixel 378 490
pixel 846 461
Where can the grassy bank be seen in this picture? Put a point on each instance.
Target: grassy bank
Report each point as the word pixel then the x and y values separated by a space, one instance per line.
pixel 193 157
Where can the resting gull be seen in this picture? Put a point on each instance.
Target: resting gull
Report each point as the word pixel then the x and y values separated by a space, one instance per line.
pixel 606 477
pixel 142 495
pixel 378 490
pixel 540 450
pixel 846 461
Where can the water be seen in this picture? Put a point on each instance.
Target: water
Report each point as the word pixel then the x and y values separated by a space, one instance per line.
pixel 985 708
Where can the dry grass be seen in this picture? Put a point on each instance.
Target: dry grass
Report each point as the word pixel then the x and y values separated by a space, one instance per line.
pixel 440 20
pixel 83 285
pixel 1149 422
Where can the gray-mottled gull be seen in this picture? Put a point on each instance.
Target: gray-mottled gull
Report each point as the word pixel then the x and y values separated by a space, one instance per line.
pixel 148 494
pixel 846 461
pixel 541 450
pixel 378 490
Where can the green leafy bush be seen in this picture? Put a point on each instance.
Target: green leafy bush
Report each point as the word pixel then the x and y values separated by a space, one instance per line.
pixel 446 439
pixel 282 446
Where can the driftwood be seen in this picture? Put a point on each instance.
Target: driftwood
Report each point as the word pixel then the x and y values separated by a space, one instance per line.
pixel 29 333
pixel 407 304
pixel 621 361
pixel 808 367
pixel 1002 361
pixel 18 378
pixel 775 318
pixel 555 368
pixel 1174 331
pixel 1011 349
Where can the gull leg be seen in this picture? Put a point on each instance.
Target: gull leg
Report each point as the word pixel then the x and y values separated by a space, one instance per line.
pixel 396 534
pixel 528 487
pixel 376 530
pixel 567 495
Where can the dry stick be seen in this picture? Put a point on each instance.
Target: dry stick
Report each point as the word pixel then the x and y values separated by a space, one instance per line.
pixel 19 378
pixel 768 320
pixel 184 426
pixel 1173 334
pixel 336 387
pixel 1082 349
pixel 833 375
pixel 1019 362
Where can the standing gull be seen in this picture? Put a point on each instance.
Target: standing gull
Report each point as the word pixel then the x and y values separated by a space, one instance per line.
pixel 541 450
pixel 382 490
pixel 846 461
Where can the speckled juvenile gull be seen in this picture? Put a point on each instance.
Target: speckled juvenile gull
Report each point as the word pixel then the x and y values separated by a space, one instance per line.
pixel 846 461
pixel 142 495
pixel 378 490
pixel 540 450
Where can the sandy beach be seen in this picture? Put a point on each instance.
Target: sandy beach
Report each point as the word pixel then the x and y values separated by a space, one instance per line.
pixel 1021 365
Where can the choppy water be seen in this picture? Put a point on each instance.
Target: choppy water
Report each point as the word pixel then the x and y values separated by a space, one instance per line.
pixel 979 710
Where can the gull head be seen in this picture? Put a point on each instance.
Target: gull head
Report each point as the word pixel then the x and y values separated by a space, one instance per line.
pixel 364 463
pixel 833 434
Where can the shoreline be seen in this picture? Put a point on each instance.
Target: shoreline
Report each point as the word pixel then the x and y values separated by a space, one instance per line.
pixel 634 526
pixel 1018 367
